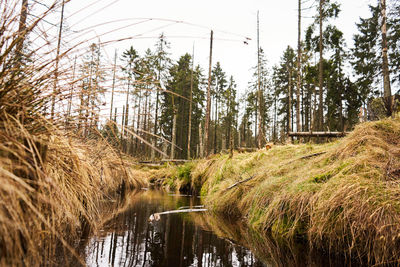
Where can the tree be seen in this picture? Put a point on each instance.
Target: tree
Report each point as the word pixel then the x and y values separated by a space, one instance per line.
pixel 92 90
pixel 175 103
pixel 284 78
pixel 161 62
pixel 376 61
pixel 130 59
pixel 219 81
pixel 326 11
pixel 387 93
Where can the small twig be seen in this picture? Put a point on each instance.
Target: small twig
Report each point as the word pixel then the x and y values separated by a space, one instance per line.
pixel 313 155
pixel 238 183
pixel 307 157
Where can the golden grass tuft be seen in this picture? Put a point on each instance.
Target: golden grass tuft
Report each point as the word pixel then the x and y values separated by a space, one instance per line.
pixel 346 200
pixel 51 187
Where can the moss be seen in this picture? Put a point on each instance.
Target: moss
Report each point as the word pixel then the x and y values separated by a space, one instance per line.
pixel 184 172
pixel 203 191
pixel 322 177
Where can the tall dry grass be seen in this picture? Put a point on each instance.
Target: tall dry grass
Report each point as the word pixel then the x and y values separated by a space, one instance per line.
pixel 345 201
pixel 51 181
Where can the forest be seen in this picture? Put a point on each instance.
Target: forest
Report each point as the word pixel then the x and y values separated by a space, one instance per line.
pixel 142 156
pixel 187 112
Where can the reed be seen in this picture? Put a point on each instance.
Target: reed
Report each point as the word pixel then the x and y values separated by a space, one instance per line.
pixel 52 178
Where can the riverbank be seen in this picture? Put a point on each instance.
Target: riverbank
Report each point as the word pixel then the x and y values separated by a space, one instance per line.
pixel 343 196
pixel 52 185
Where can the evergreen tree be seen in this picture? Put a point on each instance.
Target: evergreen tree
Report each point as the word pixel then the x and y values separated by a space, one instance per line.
pixel 327 9
pixel 284 81
pixel 175 102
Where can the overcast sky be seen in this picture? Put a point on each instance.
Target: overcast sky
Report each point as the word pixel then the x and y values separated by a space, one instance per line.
pixel 188 23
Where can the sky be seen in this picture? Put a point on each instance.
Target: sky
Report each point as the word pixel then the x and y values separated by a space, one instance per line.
pixel 187 24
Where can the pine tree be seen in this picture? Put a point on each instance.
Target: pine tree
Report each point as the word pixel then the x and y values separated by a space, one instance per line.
pixel 327 9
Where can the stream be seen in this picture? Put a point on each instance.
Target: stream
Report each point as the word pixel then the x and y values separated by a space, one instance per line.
pixel 138 236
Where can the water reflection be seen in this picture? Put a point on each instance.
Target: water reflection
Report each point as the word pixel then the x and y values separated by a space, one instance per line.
pixel 129 239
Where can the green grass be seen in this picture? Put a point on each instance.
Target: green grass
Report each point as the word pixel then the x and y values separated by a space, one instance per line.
pixel 346 200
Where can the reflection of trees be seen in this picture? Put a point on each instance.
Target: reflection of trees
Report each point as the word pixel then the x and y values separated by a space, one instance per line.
pixel 175 240
pixel 270 251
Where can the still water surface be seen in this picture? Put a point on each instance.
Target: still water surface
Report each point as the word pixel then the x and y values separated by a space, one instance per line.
pixel 184 239
pixel 130 239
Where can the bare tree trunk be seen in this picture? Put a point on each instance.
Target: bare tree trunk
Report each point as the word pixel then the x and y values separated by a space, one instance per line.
pixel 298 125
pixel 321 68
pixel 173 135
pixel 144 149
pixel 82 103
pixel 21 31
pixel 207 121
pixel 201 141
pixel 122 128
pixel 190 107
pixel 259 93
pixel 113 84
pixel 70 95
pixel 55 90
pixel 215 124
pixel 125 122
pixel 255 124
pixel 290 101
pixel 138 120
pixel 387 93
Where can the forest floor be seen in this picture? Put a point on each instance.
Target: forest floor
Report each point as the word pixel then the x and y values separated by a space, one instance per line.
pixel 342 196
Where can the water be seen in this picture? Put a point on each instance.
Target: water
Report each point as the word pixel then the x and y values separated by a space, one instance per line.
pixel 180 239
pixel 185 239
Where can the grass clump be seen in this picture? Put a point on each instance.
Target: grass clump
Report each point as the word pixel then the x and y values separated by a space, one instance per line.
pixel 346 200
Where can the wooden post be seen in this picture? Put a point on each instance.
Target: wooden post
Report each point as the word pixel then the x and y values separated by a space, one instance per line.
pixel 207 121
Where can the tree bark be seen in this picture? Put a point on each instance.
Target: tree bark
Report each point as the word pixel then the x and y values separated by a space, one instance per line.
pixel 173 135
pixel 113 84
pixel 298 122
pixel 321 68
pixel 55 90
pixel 290 100
pixel 207 121
pixel 387 93
pixel 190 107
pixel 259 93
pixel 201 141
